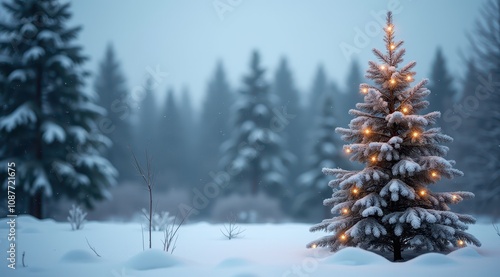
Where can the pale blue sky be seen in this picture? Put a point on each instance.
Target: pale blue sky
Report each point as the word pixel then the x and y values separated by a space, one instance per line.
pixel 186 38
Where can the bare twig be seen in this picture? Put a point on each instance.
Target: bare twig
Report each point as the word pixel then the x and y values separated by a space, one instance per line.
pixel 496 228
pixel 24 252
pixel 142 232
pixel 92 248
pixel 147 176
pixel 232 230
pixel 170 234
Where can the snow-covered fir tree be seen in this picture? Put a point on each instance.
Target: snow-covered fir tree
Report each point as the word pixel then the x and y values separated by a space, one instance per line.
pixel 255 153
pixel 113 96
pixel 293 131
pixel 326 152
pixel 484 141
pixel 214 122
pixel 48 122
pixel 389 204
pixel 442 94
pixel 171 154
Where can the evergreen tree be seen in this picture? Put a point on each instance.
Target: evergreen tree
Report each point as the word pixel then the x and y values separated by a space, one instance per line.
pixel 187 121
pixel 442 92
pixel 48 122
pixel 325 153
pixel 351 93
pixel 318 91
pixel 110 86
pixel 255 153
pixel 389 205
pixel 147 125
pixel 292 125
pixel 214 122
pixel 484 151
pixel 171 145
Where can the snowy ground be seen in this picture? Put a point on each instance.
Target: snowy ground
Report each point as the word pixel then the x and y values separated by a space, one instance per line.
pixel 52 250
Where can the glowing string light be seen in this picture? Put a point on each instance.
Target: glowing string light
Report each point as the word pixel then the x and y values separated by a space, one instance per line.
pixel 348 150
pixel 345 211
pixel 393 81
pixel 343 237
pixel 415 134
pixel 461 242
pixel 423 192
pixel 405 110
pixel 364 90
pixel 355 191
pixel 374 158
pixel 393 46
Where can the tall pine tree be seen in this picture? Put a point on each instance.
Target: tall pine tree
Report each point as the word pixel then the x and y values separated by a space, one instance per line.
pixel 147 123
pixel 351 92
pixel 214 122
pixel 48 122
pixel 389 204
pixel 292 125
pixel 325 153
pixel 255 152
pixel 113 96
pixel 442 94
pixel 171 144
pixel 483 105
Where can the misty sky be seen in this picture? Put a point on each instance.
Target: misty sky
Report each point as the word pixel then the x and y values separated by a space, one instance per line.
pixel 185 38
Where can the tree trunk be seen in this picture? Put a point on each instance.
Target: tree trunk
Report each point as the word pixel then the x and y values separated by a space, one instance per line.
pixel 255 185
pixel 35 205
pixel 396 246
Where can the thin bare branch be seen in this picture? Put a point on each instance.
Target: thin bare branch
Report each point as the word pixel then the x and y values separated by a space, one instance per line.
pixel 92 248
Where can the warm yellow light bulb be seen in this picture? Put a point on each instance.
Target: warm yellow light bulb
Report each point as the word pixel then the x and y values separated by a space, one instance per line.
pixel 314 246
pixel 345 210
pixel 343 237
pixel 364 90
pixel 348 150
pixel 389 28
pixel 434 174
pixel 454 197
pixel 460 242
pixel 355 191
pixel 415 134
pixel 422 192
pixel 382 67
pixel 405 110
pixel 393 81
pixel 367 131
pixel 374 159
pixel 408 78
pixel 393 46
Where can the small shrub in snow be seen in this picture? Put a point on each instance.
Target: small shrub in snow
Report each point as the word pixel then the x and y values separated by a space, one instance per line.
pixel 496 229
pixel 76 217
pixel 231 229
pixel 170 234
pixel 159 221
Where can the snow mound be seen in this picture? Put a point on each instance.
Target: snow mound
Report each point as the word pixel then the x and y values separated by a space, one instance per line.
pixel 432 259
pixel 232 262
pixel 466 252
pixel 245 275
pixel 355 256
pixel 79 256
pixel 152 259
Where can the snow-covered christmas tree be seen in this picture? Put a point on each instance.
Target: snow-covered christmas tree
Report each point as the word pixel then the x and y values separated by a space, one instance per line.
pixel 389 204
pixel 255 153
pixel 48 123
